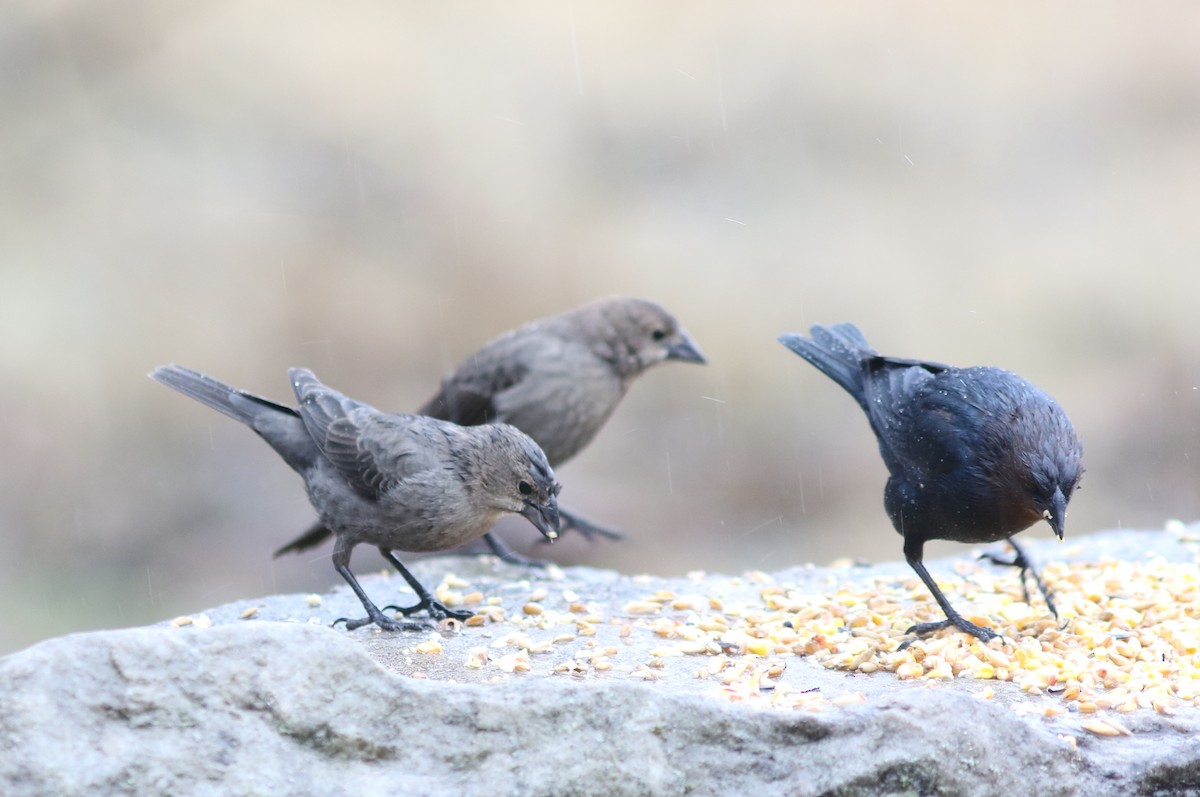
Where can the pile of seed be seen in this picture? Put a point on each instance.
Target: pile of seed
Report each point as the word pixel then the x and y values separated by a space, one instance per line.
pixel 1128 636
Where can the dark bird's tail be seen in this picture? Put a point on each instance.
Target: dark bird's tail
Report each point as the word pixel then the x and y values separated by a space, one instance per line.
pixel 838 351
pixel 280 426
pixel 223 398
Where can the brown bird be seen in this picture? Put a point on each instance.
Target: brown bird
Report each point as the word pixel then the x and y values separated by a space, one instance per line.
pixel 398 482
pixel 975 454
pixel 558 380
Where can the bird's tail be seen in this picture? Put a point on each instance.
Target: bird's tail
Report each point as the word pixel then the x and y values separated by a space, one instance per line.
pixel 838 351
pixel 315 535
pixel 223 398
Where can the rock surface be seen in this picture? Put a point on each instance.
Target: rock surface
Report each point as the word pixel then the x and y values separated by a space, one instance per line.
pixel 282 704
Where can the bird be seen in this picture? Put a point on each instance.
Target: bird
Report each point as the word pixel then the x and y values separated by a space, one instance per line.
pixel 398 482
pixel 558 379
pixel 974 455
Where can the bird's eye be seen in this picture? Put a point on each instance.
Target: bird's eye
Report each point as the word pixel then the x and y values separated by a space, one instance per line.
pixel 658 334
pixel 525 487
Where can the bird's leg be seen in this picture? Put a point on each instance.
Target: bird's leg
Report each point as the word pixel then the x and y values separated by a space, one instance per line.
pixel 341 563
pixel 436 609
pixel 913 551
pixel 1022 561
pixel 585 527
pixel 506 554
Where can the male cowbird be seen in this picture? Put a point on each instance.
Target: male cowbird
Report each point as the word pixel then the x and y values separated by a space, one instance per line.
pixel 558 380
pixel 975 454
pixel 399 482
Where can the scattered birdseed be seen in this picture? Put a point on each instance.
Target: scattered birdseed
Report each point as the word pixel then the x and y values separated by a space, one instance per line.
pixel 477 657
pixel 429 646
pixel 248 613
pixel 313 600
pixel 1100 728
pixel 1129 638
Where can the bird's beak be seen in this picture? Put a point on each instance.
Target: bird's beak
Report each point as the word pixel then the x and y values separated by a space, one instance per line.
pixel 544 517
pixel 686 351
pixel 1056 515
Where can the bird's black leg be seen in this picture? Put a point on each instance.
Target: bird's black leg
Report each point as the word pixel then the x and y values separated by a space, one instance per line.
pixel 585 527
pixel 436 609
pixel 913 551
pixel 506 554
pixel 341 563
pixel 1022 561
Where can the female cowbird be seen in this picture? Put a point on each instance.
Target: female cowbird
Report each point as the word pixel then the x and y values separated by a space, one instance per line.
pixel 975 454
pixel 399 482
pixel 558 380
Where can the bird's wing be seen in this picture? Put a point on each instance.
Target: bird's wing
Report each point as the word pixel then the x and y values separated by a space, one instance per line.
pixel 892 389
pixel 373 451
pixel 474 393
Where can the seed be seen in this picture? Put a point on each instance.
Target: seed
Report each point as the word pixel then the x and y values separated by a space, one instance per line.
pixel 532 608
pixel 246 615
pixel 666 652
pixel 1100 728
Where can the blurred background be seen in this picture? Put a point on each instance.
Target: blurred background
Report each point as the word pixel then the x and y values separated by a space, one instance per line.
pixel 374 190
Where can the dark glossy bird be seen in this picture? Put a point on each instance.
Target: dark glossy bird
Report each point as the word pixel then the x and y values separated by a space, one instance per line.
pixel 558 380
pixel 975 454
pixel 398 482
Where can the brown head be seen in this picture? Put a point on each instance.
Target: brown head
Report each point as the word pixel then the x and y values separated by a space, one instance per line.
pixel 631 334
pixel 513 476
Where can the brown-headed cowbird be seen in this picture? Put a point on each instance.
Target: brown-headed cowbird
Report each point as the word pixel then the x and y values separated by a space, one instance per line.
pixel 398 482
pixel 558 380
pixel 975 454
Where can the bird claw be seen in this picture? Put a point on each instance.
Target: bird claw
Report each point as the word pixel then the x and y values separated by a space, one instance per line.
pixel 511 557
pixel 984 635
pixel 589 530
pixel 384 623
pixel 436 610
pixel 1020 561
pixel 508 555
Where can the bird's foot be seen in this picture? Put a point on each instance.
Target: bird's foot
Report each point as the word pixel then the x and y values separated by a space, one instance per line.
pixel 981 633
pixel 1015 561
pixel 1019 560
pixel 588 529
pixel 385 623
pixel 513 558
pixel 506 554
pixel 436 609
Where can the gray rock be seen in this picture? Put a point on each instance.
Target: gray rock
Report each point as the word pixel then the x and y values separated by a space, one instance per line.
pixel 284 705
